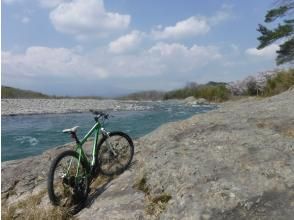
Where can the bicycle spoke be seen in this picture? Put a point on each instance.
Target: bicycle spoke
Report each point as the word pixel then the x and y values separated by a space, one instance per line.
pixel 70 184
pixel 115 154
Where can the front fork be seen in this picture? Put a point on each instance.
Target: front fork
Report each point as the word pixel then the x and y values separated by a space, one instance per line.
pixel 108 144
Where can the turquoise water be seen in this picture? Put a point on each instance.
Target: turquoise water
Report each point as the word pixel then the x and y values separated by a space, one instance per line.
pixel 28 135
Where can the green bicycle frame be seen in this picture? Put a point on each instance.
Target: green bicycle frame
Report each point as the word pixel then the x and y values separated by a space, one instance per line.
pixel 79 147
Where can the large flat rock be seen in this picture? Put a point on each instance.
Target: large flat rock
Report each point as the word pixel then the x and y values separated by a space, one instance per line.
pixel 225 158
pixel 236 162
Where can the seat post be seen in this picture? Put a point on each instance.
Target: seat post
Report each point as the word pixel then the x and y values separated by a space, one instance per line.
pixel 74 136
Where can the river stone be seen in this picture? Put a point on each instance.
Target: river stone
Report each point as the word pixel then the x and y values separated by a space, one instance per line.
pixel 191 100
pixel 53 106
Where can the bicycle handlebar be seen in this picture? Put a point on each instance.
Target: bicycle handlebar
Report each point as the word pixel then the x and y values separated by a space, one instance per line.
pixel 99 114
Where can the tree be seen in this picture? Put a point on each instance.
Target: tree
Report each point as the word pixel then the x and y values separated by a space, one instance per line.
pixel 284 31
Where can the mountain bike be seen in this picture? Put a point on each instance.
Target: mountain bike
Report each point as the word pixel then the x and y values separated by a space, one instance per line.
pixel 72 171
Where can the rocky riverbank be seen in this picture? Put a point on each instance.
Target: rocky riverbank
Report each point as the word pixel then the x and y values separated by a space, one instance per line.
pixel 49 106
pixel 236 162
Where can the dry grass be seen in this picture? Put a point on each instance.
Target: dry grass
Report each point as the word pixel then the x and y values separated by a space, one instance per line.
pixel 289 132
pixel 283 81
pixel 285 128
pixel 100 180
pixel 157 204
pixel 154 204
pixel 31 209
pixel 141 185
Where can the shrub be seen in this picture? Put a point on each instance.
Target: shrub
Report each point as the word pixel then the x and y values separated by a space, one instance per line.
pixel 280 83
pixel 251 88
pixel 215 92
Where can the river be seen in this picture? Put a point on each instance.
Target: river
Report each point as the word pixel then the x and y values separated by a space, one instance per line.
pixel 28 135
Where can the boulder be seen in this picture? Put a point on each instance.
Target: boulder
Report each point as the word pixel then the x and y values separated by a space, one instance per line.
pixel 193 101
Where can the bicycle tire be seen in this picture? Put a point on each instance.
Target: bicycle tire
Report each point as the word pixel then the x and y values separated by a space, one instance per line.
pixel 78 196
pixel 104 154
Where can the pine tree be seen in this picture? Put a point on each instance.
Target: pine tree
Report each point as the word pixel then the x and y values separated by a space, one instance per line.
pixel 284 31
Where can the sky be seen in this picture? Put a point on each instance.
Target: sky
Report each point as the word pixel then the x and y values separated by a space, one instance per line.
pixel 115 47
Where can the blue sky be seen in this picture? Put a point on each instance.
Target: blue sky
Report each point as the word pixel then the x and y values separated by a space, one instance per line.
pixel 113 47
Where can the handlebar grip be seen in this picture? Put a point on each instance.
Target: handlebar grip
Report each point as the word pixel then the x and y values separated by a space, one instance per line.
pixel 97 112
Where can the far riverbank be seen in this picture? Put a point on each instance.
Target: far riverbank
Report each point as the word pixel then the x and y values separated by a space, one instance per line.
pixel 53 106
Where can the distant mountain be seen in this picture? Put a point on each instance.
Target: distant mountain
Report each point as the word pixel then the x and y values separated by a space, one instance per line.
pixel 212 83
pixel 188 90
pixel 145 95
pixel 191 89
pixel 14 93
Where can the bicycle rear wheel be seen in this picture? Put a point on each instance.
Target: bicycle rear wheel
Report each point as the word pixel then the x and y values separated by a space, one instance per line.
pixel 68 182
pixel 116 161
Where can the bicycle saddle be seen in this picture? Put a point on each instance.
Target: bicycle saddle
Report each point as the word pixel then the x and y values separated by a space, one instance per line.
pixel 71 130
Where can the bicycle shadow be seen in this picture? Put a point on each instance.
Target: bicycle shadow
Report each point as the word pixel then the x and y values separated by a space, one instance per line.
pixel 101 184
pixel 98 191
pixel 132 165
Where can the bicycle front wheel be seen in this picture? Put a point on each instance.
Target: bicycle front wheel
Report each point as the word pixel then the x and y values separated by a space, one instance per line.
pixel 115 153
pixel 68 182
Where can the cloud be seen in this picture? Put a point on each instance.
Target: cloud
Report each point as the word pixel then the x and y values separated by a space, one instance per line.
pixel 221 15
pixel 49 63
pixel 51 3
pixel 180 58
pixel 84 18
pixel 267 52
pixel 61 70
pixel 192 26
pixel 126 43
pixel 164 59
pixel 25 20
pixel 234 48
pixel 61 63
